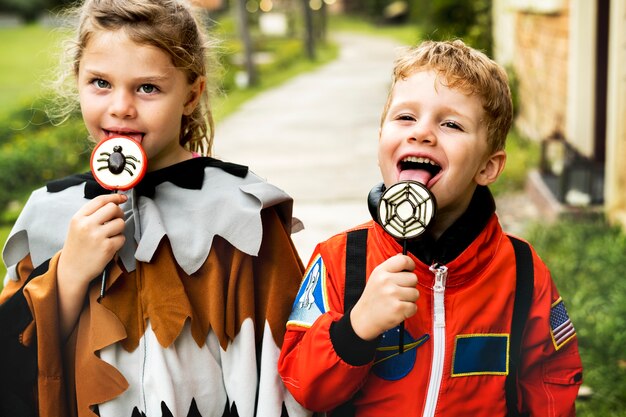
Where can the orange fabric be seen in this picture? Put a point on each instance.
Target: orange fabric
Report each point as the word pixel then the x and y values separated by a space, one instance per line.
pixel 41 295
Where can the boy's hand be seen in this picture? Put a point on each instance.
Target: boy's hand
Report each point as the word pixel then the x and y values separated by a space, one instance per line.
pixel 389 298
pixel 95 234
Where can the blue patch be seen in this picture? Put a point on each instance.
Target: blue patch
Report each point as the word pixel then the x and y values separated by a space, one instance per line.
pixel 311 300
pixel 481 354
pixel 389 363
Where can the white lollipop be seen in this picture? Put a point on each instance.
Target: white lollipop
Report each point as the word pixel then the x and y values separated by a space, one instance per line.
pixel 406 209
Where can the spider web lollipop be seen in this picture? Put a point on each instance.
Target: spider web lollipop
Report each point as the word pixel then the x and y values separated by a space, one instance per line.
pixel 405 210
pixel 118 163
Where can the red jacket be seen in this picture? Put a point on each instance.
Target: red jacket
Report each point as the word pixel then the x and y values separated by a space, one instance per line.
pixel 457 367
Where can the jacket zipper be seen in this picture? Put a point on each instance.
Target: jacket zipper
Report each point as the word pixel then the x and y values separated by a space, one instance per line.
pixel 439 339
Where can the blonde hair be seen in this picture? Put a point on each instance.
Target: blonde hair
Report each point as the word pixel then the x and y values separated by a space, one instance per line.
pixel 169 25
pixel 470 71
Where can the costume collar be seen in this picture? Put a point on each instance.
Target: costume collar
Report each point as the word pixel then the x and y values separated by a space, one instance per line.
pixel 187 174
pixel 460 234
pixel 456 238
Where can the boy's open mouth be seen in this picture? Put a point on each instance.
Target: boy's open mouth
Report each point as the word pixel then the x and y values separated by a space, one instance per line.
pixel 418 169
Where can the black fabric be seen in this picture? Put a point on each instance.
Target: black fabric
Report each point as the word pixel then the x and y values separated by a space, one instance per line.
pixel 187 174
pixel 18 363
pixel 356 264
pixel 348 345
pixel 373 199
pixel 524 287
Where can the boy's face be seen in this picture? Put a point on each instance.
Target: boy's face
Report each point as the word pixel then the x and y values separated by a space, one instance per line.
pixel 435 135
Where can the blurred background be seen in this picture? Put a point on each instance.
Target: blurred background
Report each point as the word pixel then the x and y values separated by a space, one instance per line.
pixel 566 61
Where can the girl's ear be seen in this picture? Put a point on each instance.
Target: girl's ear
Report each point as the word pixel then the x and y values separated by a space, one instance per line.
pixel 195 94
pixel 491 169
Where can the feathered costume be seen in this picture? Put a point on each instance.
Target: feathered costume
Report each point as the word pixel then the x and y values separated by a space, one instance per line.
pixel 194 310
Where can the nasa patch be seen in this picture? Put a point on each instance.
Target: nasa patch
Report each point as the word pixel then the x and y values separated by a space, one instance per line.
pixel 312 299
pixel 389 363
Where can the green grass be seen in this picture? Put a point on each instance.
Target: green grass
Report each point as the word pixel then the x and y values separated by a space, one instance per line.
pixel 586 258
pixel 27 52
pixel 405 34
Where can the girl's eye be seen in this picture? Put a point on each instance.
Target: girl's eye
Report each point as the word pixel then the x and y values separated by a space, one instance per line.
pixel 148 89
pixel 100 83
pixel 406 117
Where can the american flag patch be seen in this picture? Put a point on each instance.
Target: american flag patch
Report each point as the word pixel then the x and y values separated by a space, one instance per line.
pixel 561 328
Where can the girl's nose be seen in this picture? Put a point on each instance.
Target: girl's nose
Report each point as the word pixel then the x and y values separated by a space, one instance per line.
pixel 122 105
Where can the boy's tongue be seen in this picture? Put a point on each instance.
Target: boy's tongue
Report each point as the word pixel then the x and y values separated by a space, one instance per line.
pixel 420 175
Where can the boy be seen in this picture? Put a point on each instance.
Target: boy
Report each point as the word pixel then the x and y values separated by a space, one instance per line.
pixel 444 125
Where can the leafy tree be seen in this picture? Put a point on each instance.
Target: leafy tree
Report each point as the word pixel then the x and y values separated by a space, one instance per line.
pixel 30 10
pixel 447 19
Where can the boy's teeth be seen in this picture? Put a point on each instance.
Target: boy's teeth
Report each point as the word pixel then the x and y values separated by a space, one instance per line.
pixel 419 160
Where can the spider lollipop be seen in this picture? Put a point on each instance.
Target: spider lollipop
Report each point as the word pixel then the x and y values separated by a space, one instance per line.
pixel 118 163
pixel 405 210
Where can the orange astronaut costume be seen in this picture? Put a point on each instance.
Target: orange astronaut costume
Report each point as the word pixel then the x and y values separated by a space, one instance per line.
pixel 456 348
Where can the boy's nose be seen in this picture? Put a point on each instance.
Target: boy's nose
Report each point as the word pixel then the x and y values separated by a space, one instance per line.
pixel 423 132
pixel 122 105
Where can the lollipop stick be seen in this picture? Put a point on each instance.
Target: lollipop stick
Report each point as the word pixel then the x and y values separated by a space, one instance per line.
pixel 104 281
pixel 105 273
pixel 401 334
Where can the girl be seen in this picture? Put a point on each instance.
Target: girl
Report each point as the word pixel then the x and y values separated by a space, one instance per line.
pixel 201 268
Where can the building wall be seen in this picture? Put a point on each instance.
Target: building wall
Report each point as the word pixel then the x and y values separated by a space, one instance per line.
pixel 616 124
pixel 541 62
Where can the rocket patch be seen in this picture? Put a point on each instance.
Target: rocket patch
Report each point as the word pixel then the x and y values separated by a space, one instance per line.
pixel 312 298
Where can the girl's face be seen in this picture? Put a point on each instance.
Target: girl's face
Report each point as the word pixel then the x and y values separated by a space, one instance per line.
pixel 134 90
pixel 435 135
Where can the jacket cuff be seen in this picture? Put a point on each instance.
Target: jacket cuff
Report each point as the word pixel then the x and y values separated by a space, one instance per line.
pixel 348 345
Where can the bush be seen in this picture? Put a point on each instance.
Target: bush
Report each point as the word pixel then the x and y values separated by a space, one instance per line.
pixel 33 155
pixel 587 262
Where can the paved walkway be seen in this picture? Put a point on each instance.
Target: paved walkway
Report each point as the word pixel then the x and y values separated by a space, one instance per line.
pixel 316 137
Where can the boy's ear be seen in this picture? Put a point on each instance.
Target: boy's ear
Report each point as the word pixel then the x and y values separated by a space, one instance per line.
pixel 491 169
pixel 197 88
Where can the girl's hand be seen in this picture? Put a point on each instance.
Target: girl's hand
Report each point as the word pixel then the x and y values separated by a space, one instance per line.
pixel 389 298
pixel 95 234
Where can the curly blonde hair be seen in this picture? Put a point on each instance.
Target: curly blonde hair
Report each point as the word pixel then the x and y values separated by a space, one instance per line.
pixel 170 25
pixel 468 70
